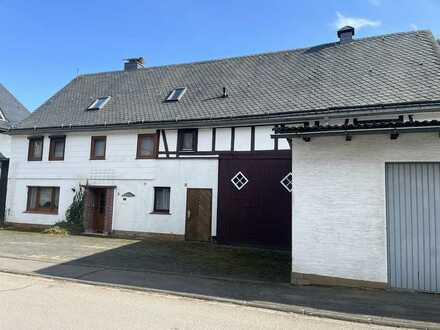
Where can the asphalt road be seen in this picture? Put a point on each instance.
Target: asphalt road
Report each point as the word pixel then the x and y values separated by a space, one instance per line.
pixel 39 303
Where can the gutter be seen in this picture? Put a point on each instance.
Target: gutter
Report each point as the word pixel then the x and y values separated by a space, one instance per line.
pixel 265 119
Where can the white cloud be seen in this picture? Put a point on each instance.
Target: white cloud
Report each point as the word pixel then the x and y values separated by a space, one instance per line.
pixel 356 22
pixel 375 2
pixel 413 26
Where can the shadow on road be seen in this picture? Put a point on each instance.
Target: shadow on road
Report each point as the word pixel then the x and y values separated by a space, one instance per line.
pixel 233 273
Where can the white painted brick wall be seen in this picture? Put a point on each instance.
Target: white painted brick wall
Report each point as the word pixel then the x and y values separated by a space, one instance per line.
pixel 339 223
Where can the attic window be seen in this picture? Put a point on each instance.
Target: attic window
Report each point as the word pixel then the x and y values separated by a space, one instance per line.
pixel 99 103
pixel 176 94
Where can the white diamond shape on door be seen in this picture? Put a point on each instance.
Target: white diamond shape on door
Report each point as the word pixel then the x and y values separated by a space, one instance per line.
pixel 287 182
pixel 239 180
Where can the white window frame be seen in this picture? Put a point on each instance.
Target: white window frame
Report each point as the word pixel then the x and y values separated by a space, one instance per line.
pixel 171 98
pixel 93 105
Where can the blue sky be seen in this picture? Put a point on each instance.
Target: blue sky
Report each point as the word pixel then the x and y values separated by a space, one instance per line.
pixel 46 43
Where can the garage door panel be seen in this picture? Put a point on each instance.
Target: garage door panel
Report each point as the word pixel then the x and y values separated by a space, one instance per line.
pixel 413 198
pixel 436 231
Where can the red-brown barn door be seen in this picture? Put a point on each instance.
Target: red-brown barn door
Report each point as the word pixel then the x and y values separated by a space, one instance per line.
pixel 254 199
pixel 198 214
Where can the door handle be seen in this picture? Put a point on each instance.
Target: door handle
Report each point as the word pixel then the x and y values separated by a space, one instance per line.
pixel 188 214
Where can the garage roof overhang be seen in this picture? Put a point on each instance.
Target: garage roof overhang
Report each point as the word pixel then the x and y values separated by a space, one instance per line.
pixel 392 127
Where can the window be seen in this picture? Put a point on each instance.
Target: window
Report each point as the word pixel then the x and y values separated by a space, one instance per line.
pixel 176 94
pixel 99 103
pixel 43 199
pixel 162 199
pixel 187 140
pixel 97 150
pixel 35 151
pixel 56 149
pixel 2 116
pixel 147 146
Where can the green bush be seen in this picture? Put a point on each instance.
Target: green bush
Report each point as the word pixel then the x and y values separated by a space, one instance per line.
pixel 75 212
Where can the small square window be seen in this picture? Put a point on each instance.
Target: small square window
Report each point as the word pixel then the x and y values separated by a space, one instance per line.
pixel 35 151
pixel 239 180
pixel 187 140
pixel 147 146
pixel 176 94
pixel 56 149
pixel 287 182
pixel 97 150
pixel 162 199
pixel 99 103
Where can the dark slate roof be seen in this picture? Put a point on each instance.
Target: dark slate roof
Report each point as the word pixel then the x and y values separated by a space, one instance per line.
pixel 395 68
pixel 11 108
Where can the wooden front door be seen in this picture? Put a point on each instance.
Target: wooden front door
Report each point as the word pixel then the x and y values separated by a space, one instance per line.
pixel 198 215
pixel 99 210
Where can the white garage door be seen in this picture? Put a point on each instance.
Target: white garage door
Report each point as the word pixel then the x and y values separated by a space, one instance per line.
pixel 413 225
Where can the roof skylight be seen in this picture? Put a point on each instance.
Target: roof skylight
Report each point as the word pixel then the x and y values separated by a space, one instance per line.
pixel 176 94
pixel 99 103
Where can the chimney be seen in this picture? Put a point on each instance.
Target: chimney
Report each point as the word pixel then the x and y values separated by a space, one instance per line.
pixel 345 34
pixel 133 63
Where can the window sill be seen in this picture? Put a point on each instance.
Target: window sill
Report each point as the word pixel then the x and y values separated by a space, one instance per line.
pixel 161 212
pixel 186 151
pixel 42 212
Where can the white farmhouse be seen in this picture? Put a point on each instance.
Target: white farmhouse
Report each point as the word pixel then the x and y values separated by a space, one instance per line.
pixel 149 145
pixel 189 150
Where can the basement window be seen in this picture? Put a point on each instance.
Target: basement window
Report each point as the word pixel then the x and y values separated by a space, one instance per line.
pixel 176 94
pixel 99 103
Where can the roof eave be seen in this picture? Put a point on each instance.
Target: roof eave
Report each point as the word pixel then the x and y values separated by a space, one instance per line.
pixel 270 119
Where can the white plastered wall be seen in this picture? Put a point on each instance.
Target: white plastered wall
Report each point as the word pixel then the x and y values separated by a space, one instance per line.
pixel 339 210
pixel 120 169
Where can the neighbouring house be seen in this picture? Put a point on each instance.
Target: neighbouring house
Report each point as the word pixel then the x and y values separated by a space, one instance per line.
pixel 203 151
pixel 366 166
pixel 11 112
